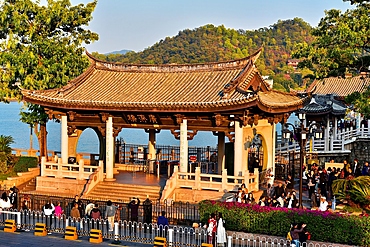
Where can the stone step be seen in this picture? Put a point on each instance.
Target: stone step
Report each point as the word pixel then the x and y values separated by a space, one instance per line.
pixel 29 186
pixel 123 192
pixel 121 187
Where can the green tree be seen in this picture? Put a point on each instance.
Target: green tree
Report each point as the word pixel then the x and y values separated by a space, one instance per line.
pixel 360 101
pixel 41 48
pixel 5 152
pixel 355 191
pixel 341 42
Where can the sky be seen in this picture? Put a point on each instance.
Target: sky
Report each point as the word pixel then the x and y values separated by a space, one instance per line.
pixel 136 25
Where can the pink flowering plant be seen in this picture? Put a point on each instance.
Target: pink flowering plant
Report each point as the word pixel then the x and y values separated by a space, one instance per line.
pixel 323 226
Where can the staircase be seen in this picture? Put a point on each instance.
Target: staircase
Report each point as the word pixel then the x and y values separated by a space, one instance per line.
pixel 28 186
pixel 123 192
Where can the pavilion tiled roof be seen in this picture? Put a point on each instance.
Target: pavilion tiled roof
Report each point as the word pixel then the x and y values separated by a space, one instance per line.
pixel 201 87
pixel 339 87
pixel 324 104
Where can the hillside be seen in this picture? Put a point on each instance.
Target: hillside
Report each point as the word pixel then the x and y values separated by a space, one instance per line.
pixel 210 43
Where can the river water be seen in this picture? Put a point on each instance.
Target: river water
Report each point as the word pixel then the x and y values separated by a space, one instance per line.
pixel 11 126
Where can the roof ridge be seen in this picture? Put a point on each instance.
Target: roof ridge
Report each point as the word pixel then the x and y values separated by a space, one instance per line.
pixel 173 67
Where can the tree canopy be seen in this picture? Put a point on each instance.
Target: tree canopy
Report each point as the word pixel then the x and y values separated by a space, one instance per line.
pixel 341 44
pixel 41 48
pixel 211 43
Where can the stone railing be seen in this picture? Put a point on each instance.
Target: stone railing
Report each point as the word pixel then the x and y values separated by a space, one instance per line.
pixel 215 182
pixel 94 178
pixel 59 170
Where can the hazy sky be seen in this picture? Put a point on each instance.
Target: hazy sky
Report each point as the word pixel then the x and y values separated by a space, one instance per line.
pixel 136 25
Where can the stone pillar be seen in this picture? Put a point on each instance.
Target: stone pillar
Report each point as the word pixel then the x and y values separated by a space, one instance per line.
pixel 326 135
pixel 238 150
pixel 273 151
pixel 151 145
pixel 221 152
pixel 64 139
pixel 184 146
pixel 109 151
pixel 335 128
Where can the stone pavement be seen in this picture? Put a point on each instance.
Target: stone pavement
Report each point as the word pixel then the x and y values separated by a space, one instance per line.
pixel 29 239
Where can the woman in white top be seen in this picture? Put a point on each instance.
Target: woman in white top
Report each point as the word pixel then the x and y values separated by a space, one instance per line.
pixel 221 232
pixel 4 202
pixel 48 211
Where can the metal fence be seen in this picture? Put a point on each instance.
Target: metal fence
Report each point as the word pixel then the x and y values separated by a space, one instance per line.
pixel 176 236
pixel 133 153
pixel 180 213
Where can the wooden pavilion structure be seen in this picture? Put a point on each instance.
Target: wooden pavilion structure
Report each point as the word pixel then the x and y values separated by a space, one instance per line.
pixel 229 98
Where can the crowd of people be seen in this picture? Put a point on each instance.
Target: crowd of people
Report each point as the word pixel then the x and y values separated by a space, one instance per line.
pixel 318 182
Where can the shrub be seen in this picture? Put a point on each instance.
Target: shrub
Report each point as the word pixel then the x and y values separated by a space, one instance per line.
pixel 324 226
pixel 24 162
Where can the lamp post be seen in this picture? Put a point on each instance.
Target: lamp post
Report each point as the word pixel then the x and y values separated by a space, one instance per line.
pixel 300 135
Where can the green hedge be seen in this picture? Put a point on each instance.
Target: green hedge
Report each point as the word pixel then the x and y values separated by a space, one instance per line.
pixel 324 226
pixel 24 162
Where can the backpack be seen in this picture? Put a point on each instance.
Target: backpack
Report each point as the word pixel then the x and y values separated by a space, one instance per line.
pixel 95 215
pixel 289 236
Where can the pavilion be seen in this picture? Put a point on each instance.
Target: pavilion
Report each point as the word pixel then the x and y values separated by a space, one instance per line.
pixel 229 98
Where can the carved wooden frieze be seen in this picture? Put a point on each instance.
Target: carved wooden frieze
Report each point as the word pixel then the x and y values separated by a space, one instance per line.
pixel 71 129
pixel 104 116
pixel 71 115
pixel 230 136
pixel 218 119
pixel 102 130
pixel 190 134
pixel 256 117
pixel 50 114
pixel 116 131
pixel 179 118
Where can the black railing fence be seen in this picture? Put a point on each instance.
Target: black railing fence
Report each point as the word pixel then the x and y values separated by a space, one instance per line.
pixel 178 213
pixel 134 153
pixel 139 232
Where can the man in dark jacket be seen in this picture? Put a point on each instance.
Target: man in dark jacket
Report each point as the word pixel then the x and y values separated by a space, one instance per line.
pixel 365 169
pixel 279 190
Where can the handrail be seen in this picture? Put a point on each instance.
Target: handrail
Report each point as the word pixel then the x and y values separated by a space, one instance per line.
pixel 217 182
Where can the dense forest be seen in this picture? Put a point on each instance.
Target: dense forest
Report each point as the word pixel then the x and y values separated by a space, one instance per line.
pixel 211 43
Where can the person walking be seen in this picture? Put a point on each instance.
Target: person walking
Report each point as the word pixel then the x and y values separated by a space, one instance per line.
pixel 221 231
pixel 110 212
